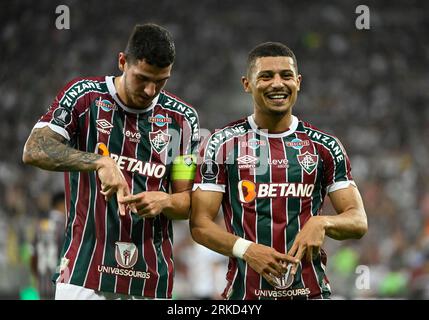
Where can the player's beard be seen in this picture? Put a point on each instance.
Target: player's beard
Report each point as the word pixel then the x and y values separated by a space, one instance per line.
pixel 277 112
pixel 131 101
pixel 137 100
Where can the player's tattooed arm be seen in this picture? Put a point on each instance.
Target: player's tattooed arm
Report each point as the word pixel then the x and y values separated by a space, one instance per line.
pixel 48 150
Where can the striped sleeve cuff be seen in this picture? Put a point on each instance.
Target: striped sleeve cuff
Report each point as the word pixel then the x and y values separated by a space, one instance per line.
pixel 53 127
pixel 209 187
pixel 340 185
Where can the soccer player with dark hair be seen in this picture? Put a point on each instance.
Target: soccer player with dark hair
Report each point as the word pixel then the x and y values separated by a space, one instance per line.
pixel 123 136
pixel 271 172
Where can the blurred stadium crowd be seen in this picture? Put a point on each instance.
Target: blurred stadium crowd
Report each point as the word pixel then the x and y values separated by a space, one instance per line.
pixel 368 87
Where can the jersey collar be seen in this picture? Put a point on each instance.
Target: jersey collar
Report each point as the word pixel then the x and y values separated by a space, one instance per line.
pixel 255 128
pixel 114 94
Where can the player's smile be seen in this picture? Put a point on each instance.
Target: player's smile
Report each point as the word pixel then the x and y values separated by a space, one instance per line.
pixel 277 97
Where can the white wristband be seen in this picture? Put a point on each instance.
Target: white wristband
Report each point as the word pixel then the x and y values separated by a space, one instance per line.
pixel 240 247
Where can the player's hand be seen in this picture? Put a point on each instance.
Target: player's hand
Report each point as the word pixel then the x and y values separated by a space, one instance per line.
pixel 309 240
pixel 147 204
pixel 112 181
pixel 267 261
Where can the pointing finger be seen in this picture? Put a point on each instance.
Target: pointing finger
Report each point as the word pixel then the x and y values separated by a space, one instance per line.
pixel 299 256
pixel 119 197
pixel 108 194
pixel 105 187
pixel 131 199
pixel 293 250
pixel 286 258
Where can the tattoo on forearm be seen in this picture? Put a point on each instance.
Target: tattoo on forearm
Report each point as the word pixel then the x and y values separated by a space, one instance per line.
pixel 54 154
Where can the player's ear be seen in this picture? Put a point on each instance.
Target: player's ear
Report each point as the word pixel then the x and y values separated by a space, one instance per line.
pixel 121 61
pixel 246 84
pixel 298 81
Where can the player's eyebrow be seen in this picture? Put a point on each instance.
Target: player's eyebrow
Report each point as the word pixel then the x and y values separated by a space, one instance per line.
pixel 145 77
pixel 272 72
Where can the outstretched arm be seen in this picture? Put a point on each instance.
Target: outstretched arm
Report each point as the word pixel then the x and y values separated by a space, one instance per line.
pixel 265 260
pixel 47 150
pixel 351 222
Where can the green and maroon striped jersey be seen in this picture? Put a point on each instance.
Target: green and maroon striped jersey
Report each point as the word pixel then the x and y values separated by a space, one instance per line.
pixel 272 184
pixel 103 250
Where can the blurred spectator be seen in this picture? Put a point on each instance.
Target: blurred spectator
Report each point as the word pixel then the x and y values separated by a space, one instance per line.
pixel 47 244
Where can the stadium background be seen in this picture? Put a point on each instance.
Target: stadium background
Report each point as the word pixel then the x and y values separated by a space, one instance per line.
pixel 369 87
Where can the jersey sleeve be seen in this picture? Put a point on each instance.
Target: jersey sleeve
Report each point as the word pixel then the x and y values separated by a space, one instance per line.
pixel 337 168
pixel 63 114
pixel 211 169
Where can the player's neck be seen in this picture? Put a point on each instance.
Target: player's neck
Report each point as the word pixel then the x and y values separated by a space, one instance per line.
pixel 119 86
pixel 273 123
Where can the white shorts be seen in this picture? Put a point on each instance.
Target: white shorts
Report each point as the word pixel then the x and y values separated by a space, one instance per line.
pixel 67 291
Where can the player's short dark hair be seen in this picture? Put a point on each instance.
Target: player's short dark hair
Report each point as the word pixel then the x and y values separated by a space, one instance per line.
pixel 57 198
pixel 269 49
pixel 152 43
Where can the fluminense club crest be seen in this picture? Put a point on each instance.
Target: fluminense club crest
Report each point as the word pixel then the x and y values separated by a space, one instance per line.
pixel 308 161
pixel 159 140
pixel 126 254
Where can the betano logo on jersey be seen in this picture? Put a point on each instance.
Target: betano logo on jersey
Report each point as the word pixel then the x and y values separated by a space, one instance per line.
pixel 133 165
pixel 249 191
pixel 149 169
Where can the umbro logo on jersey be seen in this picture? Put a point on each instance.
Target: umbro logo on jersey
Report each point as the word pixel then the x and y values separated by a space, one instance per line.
pixel 308 161
pixel 126 254
pixel 106 105
pixel 247 162
pixel 249 191
pixel 247 159
pixel 160 120
pixel 159 140
pixel 104 126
